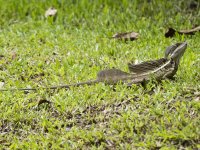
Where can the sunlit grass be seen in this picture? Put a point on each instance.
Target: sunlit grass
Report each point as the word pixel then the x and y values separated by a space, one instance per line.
pixel 38 52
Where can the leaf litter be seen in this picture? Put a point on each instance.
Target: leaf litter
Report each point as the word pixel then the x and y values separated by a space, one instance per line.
pixel 126 36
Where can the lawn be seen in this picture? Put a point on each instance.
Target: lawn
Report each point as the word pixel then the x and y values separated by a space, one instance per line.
pixel 36 51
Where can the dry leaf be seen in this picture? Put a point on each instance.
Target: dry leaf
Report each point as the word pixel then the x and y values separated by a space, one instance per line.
pixel 126 36
pixel 51 12
pixel 171 32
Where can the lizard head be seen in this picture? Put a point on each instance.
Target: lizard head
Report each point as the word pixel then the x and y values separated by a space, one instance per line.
pixel 176 51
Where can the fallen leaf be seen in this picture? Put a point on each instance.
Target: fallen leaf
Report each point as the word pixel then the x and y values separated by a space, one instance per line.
pixel 126 36
pixel 171 32
pixel 51 12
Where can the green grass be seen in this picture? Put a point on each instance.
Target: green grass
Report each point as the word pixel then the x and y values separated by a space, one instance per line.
pixel 39 52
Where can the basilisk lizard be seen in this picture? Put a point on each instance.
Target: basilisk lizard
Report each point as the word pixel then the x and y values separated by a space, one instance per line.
pixel 162 68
